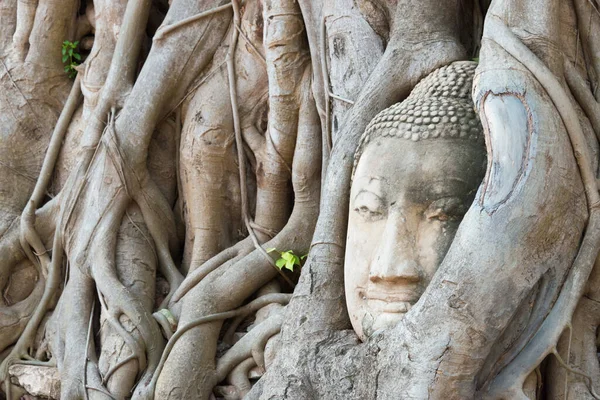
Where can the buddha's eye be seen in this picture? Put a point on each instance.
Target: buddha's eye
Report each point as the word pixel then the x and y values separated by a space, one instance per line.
pixel 446 209
pixel 368 214
pixel 369 206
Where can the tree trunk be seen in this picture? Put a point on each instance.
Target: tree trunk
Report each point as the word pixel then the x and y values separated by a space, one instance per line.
pixel 167 166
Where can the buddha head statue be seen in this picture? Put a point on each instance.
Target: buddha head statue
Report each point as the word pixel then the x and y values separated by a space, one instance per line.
pixel 417 169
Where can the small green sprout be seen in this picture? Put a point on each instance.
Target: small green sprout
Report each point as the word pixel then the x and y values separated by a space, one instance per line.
pixel 70 57
pixel 287 259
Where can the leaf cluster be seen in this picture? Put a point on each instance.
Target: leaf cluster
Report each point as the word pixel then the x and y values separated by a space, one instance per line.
pixel 70 57
pixel 287 259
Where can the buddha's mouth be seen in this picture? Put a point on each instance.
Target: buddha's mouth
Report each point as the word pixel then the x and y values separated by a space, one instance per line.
pixel 390 302
pixel 393 307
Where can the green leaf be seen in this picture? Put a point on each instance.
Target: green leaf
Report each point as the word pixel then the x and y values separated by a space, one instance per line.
pixel 65 58
pixel 280 263
pixel 66 42
pixel 76 43
pixel 296 260
pixel 288 256
pixel 67 68
pixel 64 51
pixel 304 256
pixel 70 52
pixel 289 265
pixel 272 249
pixel 76 56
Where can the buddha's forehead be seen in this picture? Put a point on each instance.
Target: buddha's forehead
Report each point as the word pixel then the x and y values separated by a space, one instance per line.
pixel 398 164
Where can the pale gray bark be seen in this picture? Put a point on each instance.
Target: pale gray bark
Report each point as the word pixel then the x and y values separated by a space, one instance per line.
pixel 199 134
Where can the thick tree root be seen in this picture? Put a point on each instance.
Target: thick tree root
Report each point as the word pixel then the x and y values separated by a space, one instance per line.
pixel 136 269
pixel 245 310
pixel 29 236
pixel 584 97
pixel 251 345
pixel 14 318
pixel 509 382
pixel 232 253
pixel 239 377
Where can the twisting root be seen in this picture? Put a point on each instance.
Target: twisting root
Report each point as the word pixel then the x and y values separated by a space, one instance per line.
pixel 258 348
pixel 29 236
pixel 87 349
pixel 570 326
pixel 118 298
pixel 100 390
pixel 249 43
pixel 161 32
pixel 118 365
pixel 135 348
pixel 340 98
pixel 52 284
pixel 589 382
pixel 239 377
pixel 251 345
pixel 155 209
pixel 584 97
pixel 228 336
pixel 253 306
pixel 239 142
pixel 194 277
pixel 327 144
pixel 156 220
pixel 30 239
pixel 508 383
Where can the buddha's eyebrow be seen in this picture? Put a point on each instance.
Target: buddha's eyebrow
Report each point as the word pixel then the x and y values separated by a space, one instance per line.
pixel 369 180
pixel 366 190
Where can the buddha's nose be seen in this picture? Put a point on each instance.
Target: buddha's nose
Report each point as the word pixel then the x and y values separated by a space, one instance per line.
pixel 395 260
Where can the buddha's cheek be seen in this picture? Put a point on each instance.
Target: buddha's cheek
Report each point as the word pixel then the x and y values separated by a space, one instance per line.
pixel 434 240
pixel 360 247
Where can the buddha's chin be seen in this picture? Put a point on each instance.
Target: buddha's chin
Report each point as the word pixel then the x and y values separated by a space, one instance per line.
pixel 387 320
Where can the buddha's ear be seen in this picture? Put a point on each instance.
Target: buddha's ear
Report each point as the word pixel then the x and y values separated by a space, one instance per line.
pixel 376 16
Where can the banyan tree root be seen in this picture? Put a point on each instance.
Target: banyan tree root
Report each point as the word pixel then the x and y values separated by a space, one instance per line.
pixel 239 383
pixel 136 269
pixel 14 317
pixel 319 304
pixel 239 377
pixel 95 259
pixel 212 293
pixel 54 268
pixel 241 312
pixel 250 345
pixel 209 172
pixel 34 89
pixel 577 377
pixel 510 381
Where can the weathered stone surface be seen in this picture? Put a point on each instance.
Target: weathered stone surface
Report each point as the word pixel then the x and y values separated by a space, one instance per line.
pixel 43 382
pixel 439 106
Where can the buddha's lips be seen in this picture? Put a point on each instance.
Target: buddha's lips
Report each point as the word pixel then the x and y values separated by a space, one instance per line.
pixel 394 297
pixel 391 303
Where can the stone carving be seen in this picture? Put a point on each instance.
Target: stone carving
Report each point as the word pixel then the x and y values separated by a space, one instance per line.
pixel 417 169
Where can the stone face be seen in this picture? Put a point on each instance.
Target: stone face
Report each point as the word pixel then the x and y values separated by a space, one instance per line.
pixel 40 381
pixel 408 197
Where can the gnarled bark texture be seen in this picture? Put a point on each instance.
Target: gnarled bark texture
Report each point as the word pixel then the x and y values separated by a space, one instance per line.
pixel 146 204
